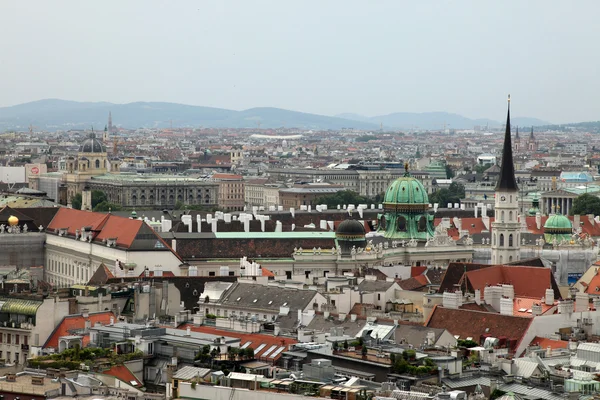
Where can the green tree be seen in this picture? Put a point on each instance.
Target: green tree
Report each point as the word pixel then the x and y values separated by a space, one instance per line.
pixel 345 345
pixel 179 205
pixel 457 189
pixel 364 351
pixel 449 172
pixel 586 204
pixel 98 196
pixel 76 201
pixel 249 353
pixel 106 206
pixel 481 168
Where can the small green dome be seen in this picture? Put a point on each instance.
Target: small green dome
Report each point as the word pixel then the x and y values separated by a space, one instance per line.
pixel 558 224
pixel 406 193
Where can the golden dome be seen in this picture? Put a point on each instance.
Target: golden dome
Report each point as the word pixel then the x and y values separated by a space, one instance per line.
pixel 12 220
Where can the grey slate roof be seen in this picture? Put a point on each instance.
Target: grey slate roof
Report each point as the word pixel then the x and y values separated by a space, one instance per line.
pixel 374 286
pixel 255 296
pixel 415 334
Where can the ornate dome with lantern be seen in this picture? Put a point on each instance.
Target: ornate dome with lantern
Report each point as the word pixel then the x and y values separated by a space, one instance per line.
pixel 406 210
pixel 558 227
pixel 350 233
pixel 92 145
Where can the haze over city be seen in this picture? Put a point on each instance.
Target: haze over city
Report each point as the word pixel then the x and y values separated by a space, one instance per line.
pixel 319 57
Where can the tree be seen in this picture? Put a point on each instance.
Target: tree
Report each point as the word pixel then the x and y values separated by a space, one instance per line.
pixel 98 197
pixel 586 204
pixel 346 345
pixel 457 189
pixel 449 172
pixel 106 206
pixel 76 201
pixel 453 194
pixel 480 169
pixel 364 351
pixel 334 346
pixel 249 353
pixel 179 205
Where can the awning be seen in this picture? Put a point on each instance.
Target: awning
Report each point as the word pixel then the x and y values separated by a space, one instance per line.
pixel 20 306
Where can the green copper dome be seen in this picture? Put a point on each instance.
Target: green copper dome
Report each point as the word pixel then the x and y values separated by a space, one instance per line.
pixel 406 210
pixel 558 223
pixel 557 227
pixel 406 193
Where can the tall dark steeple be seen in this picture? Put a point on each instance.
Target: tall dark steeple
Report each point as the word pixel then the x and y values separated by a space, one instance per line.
pixel 110 125
pixel 517 135
pixel 506 180
pixel 531 135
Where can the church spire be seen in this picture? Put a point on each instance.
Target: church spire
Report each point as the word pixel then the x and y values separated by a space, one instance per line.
pixel 506 180
pixel 531 135
pixel 517 135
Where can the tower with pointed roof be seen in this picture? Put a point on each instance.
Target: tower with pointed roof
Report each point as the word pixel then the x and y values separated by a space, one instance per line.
pixel 506 227
pixel 531 142
pixel 110 125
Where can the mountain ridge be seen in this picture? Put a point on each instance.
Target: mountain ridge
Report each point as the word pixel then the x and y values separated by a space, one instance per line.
pixel 53 114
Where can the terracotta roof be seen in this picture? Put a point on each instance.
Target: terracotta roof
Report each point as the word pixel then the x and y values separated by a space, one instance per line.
pixel 76 322
pixel 108 226
pixel 254 340
pixel 594 285
pixel 544 343
pixel 123 373
pixel 478 324
pixel 416 271
pixel 527 281
pixel 521 303
pixel 266 272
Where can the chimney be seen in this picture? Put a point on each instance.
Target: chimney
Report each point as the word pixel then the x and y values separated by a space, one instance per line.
pixel 582 302
pixel 549 298
pixel 352 317
pixel 476 209
pixel 450 300
pixel 87 326
pixel 538 220
pixel 214 223
pixel 591 219
pixel 576 222
pixel 565 307
pixel 85 313
pixel 293 212
pixel 199 222
pixel 536 309
pixel 112 321
pixel 508 291
pixel 506 306
pixel 325 314
pixel 477 297
pixel 486 220
pixel 174 244
pixel 188 331
pixel 342 316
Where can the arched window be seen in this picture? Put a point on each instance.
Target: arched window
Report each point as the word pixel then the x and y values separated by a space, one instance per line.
pixel 422 224
pixel 510 240
pixel 502 216
pixel 97 164
pixel 402 224
pixel 510 216
pixel 501 239
pixel 494 239
pixel 509 258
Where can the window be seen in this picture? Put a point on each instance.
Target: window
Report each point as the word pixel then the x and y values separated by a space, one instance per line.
pixel 97 164
pixel 8 337
pixel 379 296
pixel 510 240
pixel 211 273
pixel 501 239
pixel 17 338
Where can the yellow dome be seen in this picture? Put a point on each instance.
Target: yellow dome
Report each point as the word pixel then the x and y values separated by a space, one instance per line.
pixel 12 220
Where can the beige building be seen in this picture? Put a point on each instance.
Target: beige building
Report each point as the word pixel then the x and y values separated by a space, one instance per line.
pixel 231 191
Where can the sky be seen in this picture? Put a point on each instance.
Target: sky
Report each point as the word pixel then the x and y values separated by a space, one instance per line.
pixel 325 57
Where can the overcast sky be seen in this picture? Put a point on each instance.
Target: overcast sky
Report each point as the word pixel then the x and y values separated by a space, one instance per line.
pixel 326 57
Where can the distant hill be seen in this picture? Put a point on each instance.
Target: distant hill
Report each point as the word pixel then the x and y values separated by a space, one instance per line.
pixel 436 120
pixel 53 114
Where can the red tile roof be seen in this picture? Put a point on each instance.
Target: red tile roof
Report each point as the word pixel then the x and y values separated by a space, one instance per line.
pixel 594 286
pixel 527 281
pixel 478 324
pixel 416 271
pixel 255 340
pixel 544 343
pixel 123 373
pixel 77 322
pixel 151 274
pixel 526 303
pixel 103 226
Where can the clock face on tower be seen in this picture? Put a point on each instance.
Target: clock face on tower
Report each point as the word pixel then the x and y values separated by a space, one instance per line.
pixel 502 198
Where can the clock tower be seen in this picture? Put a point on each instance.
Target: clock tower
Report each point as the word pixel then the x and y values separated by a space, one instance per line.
pixel 506 228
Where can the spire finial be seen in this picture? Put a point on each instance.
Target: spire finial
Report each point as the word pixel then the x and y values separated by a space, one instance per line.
pixel 509 100
pixel 506 180
pixel 406 169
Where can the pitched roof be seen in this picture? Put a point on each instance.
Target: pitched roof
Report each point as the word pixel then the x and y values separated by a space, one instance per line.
pixel 527 281
pixel 544 343
pixel 101 276
pixel 266 347
pixel 76 322
pixel 374 286
pixel 415 334
pixel 477 324
pixel 129 233
pixel 122 373
pixel 259 297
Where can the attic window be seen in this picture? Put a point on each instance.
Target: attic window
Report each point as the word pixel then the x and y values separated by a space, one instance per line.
pixel 285 304
pixel 270 302
pixel 255 300
pixel 238 299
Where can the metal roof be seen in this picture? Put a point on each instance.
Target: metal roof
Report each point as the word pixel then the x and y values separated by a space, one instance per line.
pixel 189 372
pixel 276 235
pixel 20 306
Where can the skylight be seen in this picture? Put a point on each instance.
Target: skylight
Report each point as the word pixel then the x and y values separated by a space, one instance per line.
pixel 238 299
